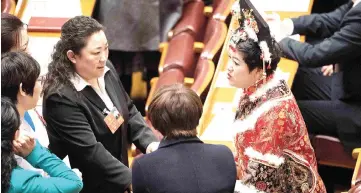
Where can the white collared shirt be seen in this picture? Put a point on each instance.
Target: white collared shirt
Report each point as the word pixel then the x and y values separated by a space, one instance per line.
pixel 79 84
pixel 288 27
pixel 356 2
pixel 40 132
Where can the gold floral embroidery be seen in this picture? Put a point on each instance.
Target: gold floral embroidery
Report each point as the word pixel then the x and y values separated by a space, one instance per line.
pixel 278 130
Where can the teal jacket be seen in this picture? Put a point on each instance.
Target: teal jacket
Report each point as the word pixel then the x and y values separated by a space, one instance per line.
pixel 62 180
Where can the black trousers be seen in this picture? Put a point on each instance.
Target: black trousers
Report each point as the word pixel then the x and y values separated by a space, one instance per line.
pixel 325 6
pixel 313 93
pixel 320 101
pixel 324 113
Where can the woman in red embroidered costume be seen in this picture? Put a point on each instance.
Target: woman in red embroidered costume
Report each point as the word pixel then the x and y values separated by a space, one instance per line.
pixel 274 153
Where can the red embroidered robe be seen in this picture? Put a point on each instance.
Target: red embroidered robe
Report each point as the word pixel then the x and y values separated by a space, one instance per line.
pixel 274 153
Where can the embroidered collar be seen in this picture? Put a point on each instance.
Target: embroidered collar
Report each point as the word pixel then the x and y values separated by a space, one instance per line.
pixel 274 88
pixel 250 90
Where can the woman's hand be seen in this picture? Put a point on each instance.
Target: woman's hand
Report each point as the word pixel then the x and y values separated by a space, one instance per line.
pixel 327 70
pixel 24 145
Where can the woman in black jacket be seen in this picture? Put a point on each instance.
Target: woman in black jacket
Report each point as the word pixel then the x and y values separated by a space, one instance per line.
pixel 89 115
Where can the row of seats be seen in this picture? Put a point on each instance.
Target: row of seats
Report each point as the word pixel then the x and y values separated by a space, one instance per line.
pixel 8 6
pixel 193 46
pixel 330 151
pixel 356 178
pixel 195 14
pixel 11 7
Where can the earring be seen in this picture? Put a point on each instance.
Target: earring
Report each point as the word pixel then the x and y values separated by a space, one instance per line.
pixel 264 74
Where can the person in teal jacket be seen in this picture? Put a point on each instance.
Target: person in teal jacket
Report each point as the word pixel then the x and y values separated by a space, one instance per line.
pixel 15 179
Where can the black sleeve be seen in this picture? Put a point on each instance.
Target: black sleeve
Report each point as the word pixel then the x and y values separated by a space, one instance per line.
pixel 67 120
pixel 341 46
pixel 139 132
pixel 141 135
pixel 138 179
pixel 320 25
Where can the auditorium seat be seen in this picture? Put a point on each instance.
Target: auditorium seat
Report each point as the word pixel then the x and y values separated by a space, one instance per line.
pixel 8 6
pixel 20 8
pixel 203 75
pixel 215 35
pixel 192 20
pixel 180 54
pixel 5 6
pixel 171 76
pixel 330 151
pixel 356 178
pixel 220 9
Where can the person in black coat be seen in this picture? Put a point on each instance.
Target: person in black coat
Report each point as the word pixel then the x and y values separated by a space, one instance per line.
pixel 330 105
pixel 183 163
pixel 324 6
pixel 89 116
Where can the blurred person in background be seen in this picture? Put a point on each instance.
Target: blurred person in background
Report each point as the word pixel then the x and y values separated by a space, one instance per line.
pixel 15 179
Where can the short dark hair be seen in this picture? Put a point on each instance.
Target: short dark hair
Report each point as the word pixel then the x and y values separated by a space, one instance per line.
pixel 252 54
pixel 10 31
pixel 74 36
pixel 175 111
pixel 16 68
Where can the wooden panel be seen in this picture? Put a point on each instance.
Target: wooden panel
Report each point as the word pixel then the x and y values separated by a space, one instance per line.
pixel 356 177
pixel 87 7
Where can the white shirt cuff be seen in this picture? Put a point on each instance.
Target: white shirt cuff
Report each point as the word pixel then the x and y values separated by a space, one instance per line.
pixel 287 26
pixel 152 147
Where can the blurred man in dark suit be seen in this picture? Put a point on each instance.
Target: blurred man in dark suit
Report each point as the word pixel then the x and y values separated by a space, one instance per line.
pixel 324 6
pixel 330 105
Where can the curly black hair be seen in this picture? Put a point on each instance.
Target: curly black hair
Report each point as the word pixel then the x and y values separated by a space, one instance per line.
pixel 10 123
pixel 74 36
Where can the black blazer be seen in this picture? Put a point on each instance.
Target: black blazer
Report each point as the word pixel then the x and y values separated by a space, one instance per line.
pixel 185 166
pixel 341 30
pixel 76 127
